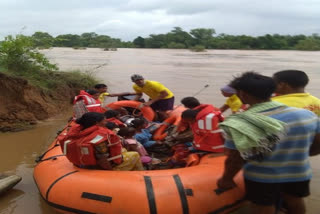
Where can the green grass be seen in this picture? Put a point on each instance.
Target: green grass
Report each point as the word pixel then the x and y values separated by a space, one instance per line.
pixel 51 80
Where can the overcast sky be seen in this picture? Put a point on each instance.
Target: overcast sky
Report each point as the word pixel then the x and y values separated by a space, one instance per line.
pixel 127 19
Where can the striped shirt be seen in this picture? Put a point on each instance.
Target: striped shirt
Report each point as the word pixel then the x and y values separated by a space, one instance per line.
pixel 289 161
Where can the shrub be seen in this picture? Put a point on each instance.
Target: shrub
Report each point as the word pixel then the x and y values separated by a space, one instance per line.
pixel 18 54
pixel 198 48
pixel 18 57
pixel 176 45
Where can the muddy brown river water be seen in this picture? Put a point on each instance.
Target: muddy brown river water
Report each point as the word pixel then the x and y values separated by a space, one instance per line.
pixel 182 71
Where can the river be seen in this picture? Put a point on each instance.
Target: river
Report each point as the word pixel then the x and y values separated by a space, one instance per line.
pixel 184 72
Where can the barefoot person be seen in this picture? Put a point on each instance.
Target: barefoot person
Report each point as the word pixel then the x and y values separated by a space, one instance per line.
pixel 273 149
pixel 161 98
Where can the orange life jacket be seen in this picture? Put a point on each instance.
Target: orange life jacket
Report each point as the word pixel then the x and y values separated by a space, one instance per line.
pixel 116 121
pixel 79 145
pixel 91 104
pixel 207 135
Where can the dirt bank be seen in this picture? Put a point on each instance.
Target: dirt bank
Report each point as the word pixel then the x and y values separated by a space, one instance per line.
pixel 22 105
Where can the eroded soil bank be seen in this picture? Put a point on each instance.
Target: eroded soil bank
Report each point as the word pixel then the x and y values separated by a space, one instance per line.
pixel 22 105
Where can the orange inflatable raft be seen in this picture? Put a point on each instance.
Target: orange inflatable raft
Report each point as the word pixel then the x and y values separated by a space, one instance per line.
pixel 190 190
pixel 147 111
pixel 185 190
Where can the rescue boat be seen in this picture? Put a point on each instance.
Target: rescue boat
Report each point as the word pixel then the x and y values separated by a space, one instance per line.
pixel 190 190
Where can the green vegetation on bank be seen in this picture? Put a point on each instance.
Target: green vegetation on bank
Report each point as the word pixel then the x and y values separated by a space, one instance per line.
pixel 19 58
pixel 180 39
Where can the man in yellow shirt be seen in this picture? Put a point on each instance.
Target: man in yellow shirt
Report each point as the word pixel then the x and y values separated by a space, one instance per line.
pixel 291 89
pixel 233 102
pixel 161 98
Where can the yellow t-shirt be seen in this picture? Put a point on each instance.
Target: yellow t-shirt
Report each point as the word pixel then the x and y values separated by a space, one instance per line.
pixel 300 100
pixel 234 103
pixel 152 89
pixel 102 96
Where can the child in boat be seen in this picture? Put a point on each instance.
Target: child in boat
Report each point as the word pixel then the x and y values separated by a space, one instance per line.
pixel 114 117
pixel 103 93
pixel 131 144
pixel 113 127
pixel 233 102
pixel 143 135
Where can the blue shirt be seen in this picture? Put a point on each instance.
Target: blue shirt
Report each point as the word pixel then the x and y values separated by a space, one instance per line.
pixel 144 138
pixel 289 161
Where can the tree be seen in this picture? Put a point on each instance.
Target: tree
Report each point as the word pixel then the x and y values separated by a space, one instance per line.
pixel 139 42
pixel 156 41
pixel 202 35
pixel 42 39
pixel 310 44
pixel 86 39
pixel 67 40
pixel 178 36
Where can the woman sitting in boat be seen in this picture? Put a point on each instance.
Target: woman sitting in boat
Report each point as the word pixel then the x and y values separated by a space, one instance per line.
pixel 89 144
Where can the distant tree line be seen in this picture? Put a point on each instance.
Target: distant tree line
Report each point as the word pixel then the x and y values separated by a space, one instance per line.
pixel 205 38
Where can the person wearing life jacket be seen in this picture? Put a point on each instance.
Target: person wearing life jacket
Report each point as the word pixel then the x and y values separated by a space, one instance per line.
pixel 204 124
pixel 89 144
pixel 87 101
pixel 114 117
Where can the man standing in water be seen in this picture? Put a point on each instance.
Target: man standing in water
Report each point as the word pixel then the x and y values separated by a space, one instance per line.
pixel 161 98
pixel 273 149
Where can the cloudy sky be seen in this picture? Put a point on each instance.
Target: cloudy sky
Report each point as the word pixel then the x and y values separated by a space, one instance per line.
pixel 127 19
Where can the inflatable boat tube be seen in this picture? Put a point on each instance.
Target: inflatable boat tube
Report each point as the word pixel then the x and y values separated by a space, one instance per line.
pixel 147 111
pixel 191 190
pixel 174 119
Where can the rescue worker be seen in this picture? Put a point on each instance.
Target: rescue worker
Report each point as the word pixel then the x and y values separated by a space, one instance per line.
pixel 89 144
pixel 87 101
pixel 161 98
pixel 204 124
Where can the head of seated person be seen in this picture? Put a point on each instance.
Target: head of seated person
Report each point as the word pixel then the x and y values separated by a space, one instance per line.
pixel 139 123
pixel 190 102
pixel 90 119
pixel 112 114
pixel 127 132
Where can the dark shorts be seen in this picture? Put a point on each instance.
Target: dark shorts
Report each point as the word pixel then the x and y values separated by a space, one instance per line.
pixel 269 193
pixel 163 105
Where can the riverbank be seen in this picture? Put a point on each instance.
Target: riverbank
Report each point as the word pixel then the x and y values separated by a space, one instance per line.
pixel 31 87
pixel 24 103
